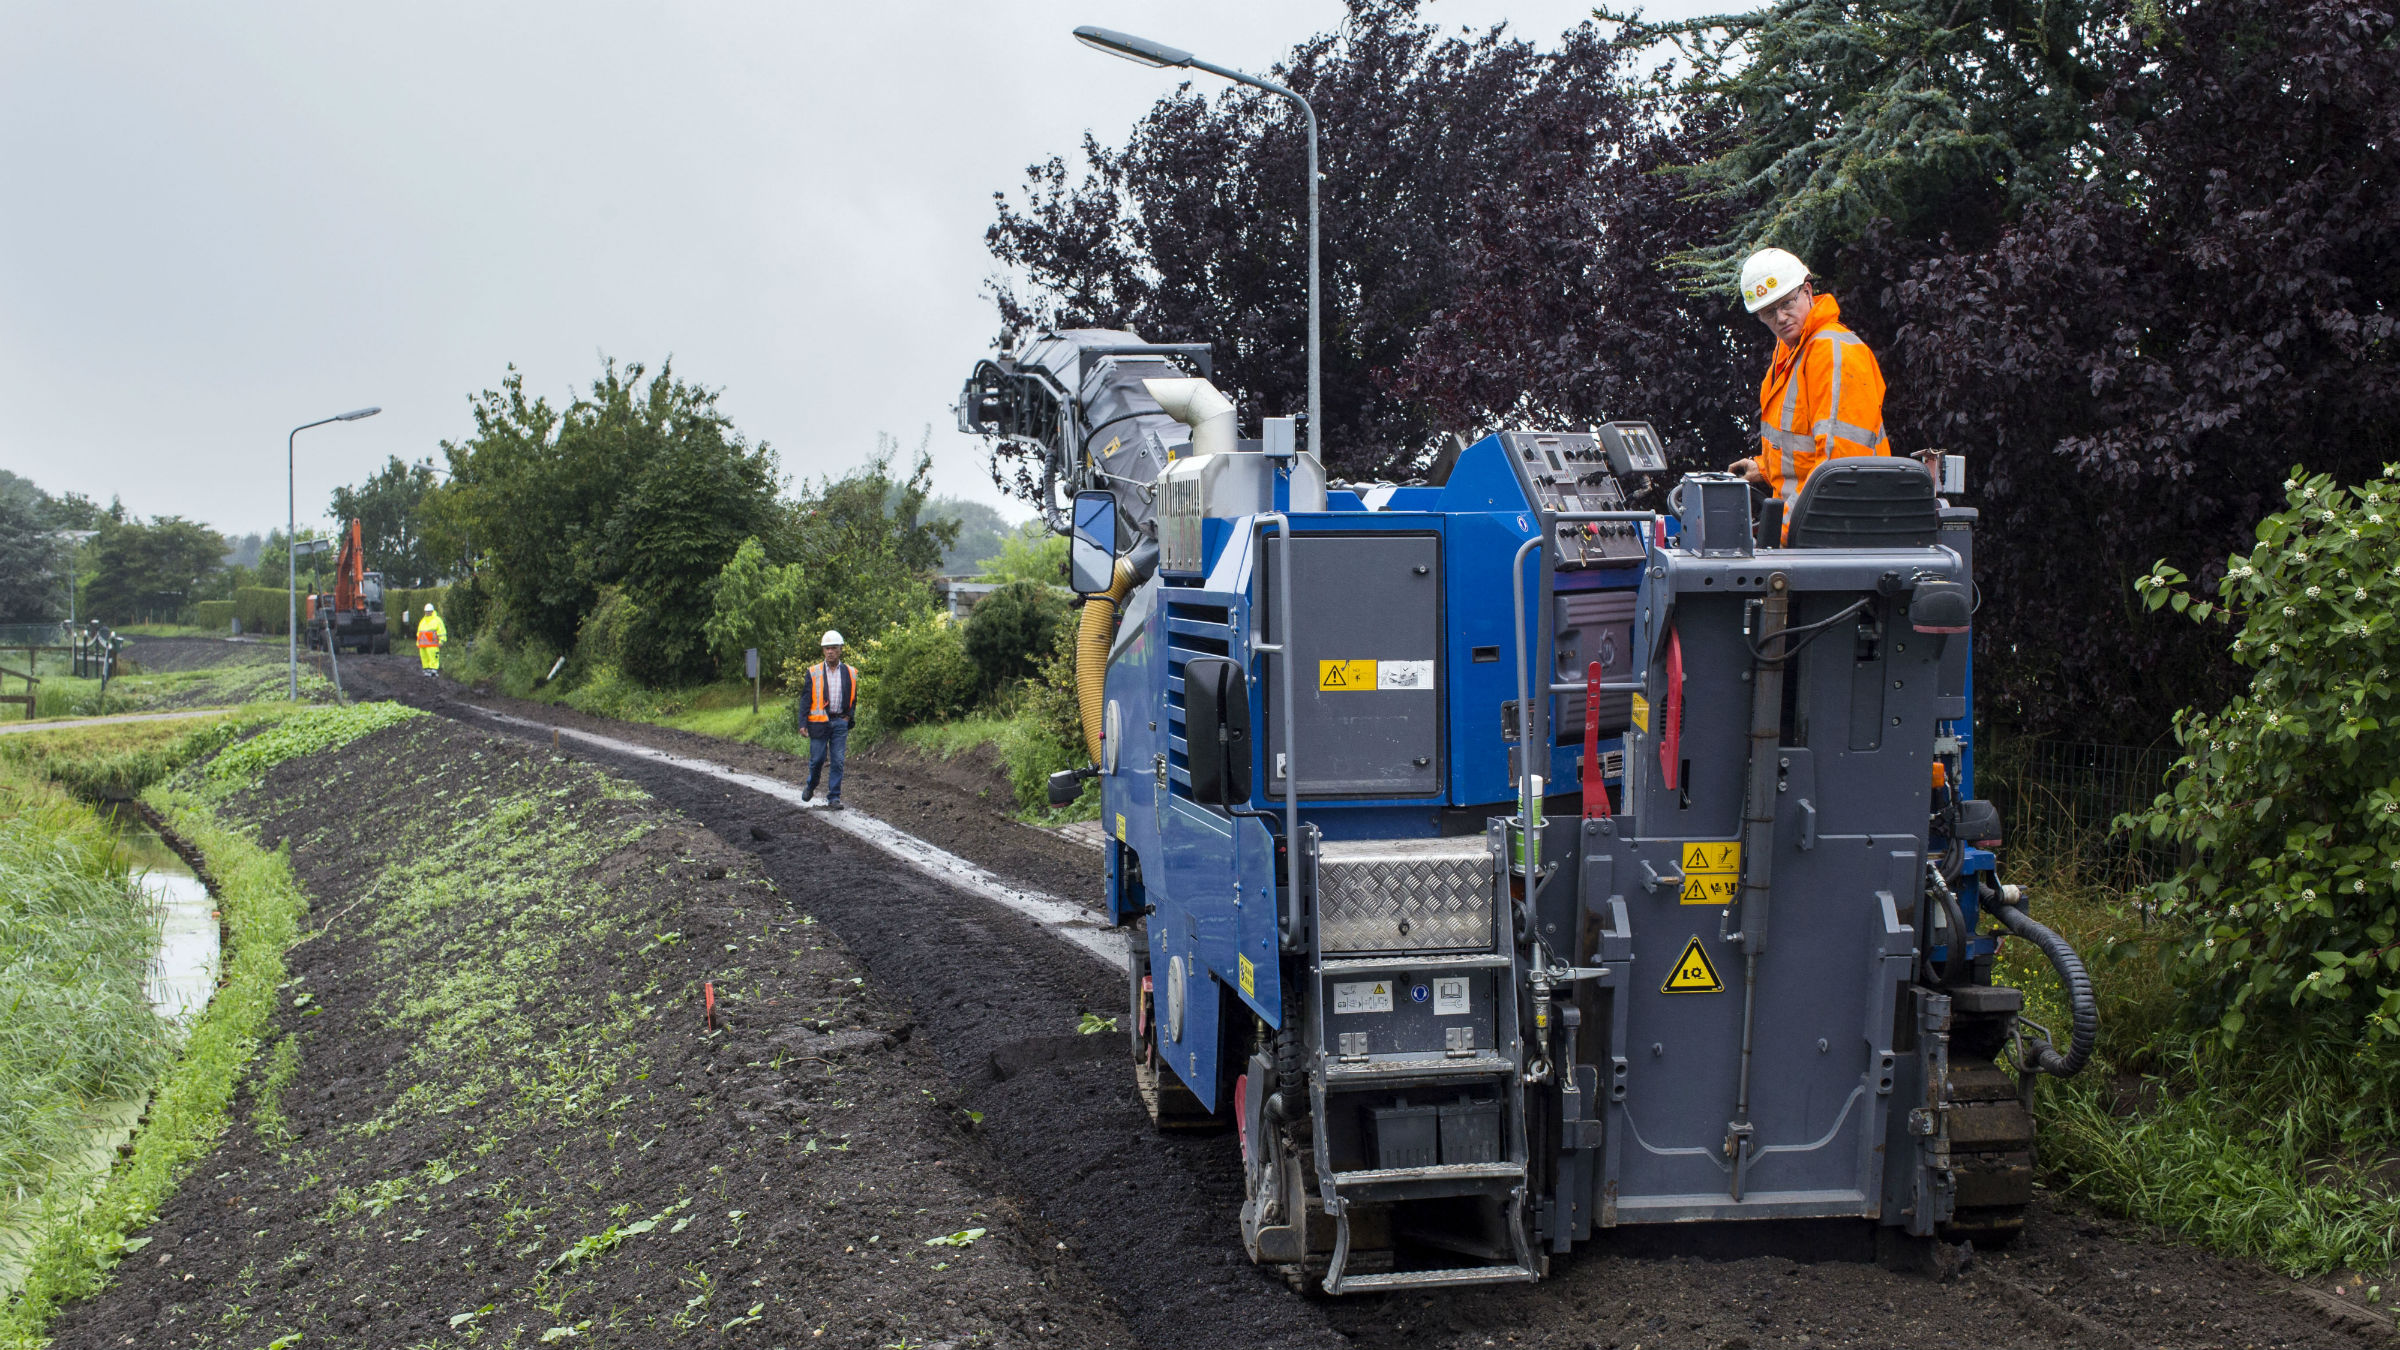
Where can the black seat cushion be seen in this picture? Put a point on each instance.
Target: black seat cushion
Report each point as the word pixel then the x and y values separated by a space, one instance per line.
pixel 1866 502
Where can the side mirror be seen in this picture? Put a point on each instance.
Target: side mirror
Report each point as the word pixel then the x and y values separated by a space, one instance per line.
pixel 1940 607
pixel 1216 729
pixel 1978 823
pixel 1092 554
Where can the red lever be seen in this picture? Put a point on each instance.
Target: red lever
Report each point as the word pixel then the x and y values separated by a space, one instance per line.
pixel 1595 785
pixel 1670 722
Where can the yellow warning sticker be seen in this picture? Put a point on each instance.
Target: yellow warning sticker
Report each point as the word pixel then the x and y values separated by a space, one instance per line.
pixel 1120 827
pixel 1712 857
pixel 1712 873
pixel 1641 713
pixel 1249 977
pixel 1693 974
pixel 1342 677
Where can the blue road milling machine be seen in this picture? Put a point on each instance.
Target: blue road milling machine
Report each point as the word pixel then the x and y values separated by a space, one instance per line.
pixel 1504 863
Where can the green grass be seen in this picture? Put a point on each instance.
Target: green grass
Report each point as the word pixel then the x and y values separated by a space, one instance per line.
pixel 2268 1153
pixel 76 1031
pixel 120 759
pixel 948 740
pixel 64 696
pixel 261 907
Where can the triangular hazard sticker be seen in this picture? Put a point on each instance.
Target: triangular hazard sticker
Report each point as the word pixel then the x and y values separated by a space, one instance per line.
pixel 1692 973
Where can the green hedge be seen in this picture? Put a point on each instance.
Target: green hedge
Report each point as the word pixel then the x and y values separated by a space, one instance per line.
pixel 262 609
pixel 412 603
pixel 214 615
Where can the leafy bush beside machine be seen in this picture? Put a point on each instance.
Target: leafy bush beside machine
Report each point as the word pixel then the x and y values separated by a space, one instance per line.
pixel 1512 863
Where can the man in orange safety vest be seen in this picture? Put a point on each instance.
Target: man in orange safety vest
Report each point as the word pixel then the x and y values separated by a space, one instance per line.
pixel 1823 395
pixel 826 708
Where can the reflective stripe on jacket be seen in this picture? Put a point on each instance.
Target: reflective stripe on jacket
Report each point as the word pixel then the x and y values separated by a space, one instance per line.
pixel 431 631
pixel 844 691
pixel 1821 400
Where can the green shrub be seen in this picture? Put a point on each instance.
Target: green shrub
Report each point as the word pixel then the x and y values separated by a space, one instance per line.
pixel 1046 734
pixel 1010 632
pixel 2287 801
pixel 1032 553
pixel 465 604
pixel 756 604
pixel 916 672
pixel 606 631
pixel 214 615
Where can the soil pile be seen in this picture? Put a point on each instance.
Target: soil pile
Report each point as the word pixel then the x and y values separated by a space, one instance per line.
pixel 493 1109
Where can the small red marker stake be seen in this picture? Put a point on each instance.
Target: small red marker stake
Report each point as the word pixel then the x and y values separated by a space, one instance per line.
pixel 708 996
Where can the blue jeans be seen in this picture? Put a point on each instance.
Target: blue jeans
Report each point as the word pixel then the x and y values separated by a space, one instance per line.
pixel 833 744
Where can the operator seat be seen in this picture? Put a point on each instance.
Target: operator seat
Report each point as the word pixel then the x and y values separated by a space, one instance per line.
pixel 1866 501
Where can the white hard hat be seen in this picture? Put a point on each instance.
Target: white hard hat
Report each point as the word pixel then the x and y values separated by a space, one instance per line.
pixel 833 638
pixel 1769 275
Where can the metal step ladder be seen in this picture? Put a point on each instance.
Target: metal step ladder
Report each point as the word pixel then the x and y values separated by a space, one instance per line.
pixel 1507 1180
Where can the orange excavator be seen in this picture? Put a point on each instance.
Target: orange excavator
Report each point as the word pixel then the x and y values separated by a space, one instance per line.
pixel 350 617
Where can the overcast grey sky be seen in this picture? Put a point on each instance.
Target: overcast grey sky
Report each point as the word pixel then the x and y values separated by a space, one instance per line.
pixel 222 220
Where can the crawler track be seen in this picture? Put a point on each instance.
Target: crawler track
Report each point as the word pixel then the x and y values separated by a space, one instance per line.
pixel 1151 1217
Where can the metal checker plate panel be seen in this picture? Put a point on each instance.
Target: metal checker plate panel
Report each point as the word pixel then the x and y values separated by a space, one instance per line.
pixel 1441 889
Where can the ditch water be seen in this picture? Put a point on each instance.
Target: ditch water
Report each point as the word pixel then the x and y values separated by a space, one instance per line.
pixel 184 969
pixel 182 974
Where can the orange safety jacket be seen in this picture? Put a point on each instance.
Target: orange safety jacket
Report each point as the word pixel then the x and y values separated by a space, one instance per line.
pixel 431 630
pixel 845 693
pixel 1822 399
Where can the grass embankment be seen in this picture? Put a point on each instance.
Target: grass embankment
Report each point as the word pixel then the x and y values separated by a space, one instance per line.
pixel 2267 1156
pixel 76 1031
pixel 80 1236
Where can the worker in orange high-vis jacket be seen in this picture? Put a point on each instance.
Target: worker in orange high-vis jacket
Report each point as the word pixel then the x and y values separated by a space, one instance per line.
pixel 431 632
pixel 1823 395
pixel 827 705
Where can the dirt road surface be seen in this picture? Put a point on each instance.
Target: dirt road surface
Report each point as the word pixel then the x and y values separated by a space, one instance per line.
pixel 1147 1221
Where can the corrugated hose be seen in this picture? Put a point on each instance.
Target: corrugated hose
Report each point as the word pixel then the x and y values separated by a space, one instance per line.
pixel 2071 975
pixel 1097 630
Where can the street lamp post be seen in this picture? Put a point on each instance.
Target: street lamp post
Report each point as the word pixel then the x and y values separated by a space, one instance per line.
pixel 1145 52
pixel 74 540
pixel 291 531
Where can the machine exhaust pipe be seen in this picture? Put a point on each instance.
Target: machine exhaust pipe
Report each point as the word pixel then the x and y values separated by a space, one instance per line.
pixel 1198 405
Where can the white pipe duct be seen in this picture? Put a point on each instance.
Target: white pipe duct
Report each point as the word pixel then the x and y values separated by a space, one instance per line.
pixel 1198 405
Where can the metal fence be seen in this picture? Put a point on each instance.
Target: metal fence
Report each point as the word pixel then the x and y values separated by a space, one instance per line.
pixel 2061 799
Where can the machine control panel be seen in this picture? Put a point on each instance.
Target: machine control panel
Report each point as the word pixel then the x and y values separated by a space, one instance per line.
pixel 1579 471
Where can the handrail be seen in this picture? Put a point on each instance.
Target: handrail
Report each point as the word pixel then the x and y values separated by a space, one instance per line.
pixel 1291 734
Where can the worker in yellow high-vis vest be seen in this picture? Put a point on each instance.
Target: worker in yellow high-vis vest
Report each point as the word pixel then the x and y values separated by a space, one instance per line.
pixel 431 632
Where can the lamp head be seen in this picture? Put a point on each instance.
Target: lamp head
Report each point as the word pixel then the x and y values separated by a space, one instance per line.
pixel 356 414
pixel 1137 49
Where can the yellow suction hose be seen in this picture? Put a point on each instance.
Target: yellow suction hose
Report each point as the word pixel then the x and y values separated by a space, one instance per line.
pixel 1093 636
